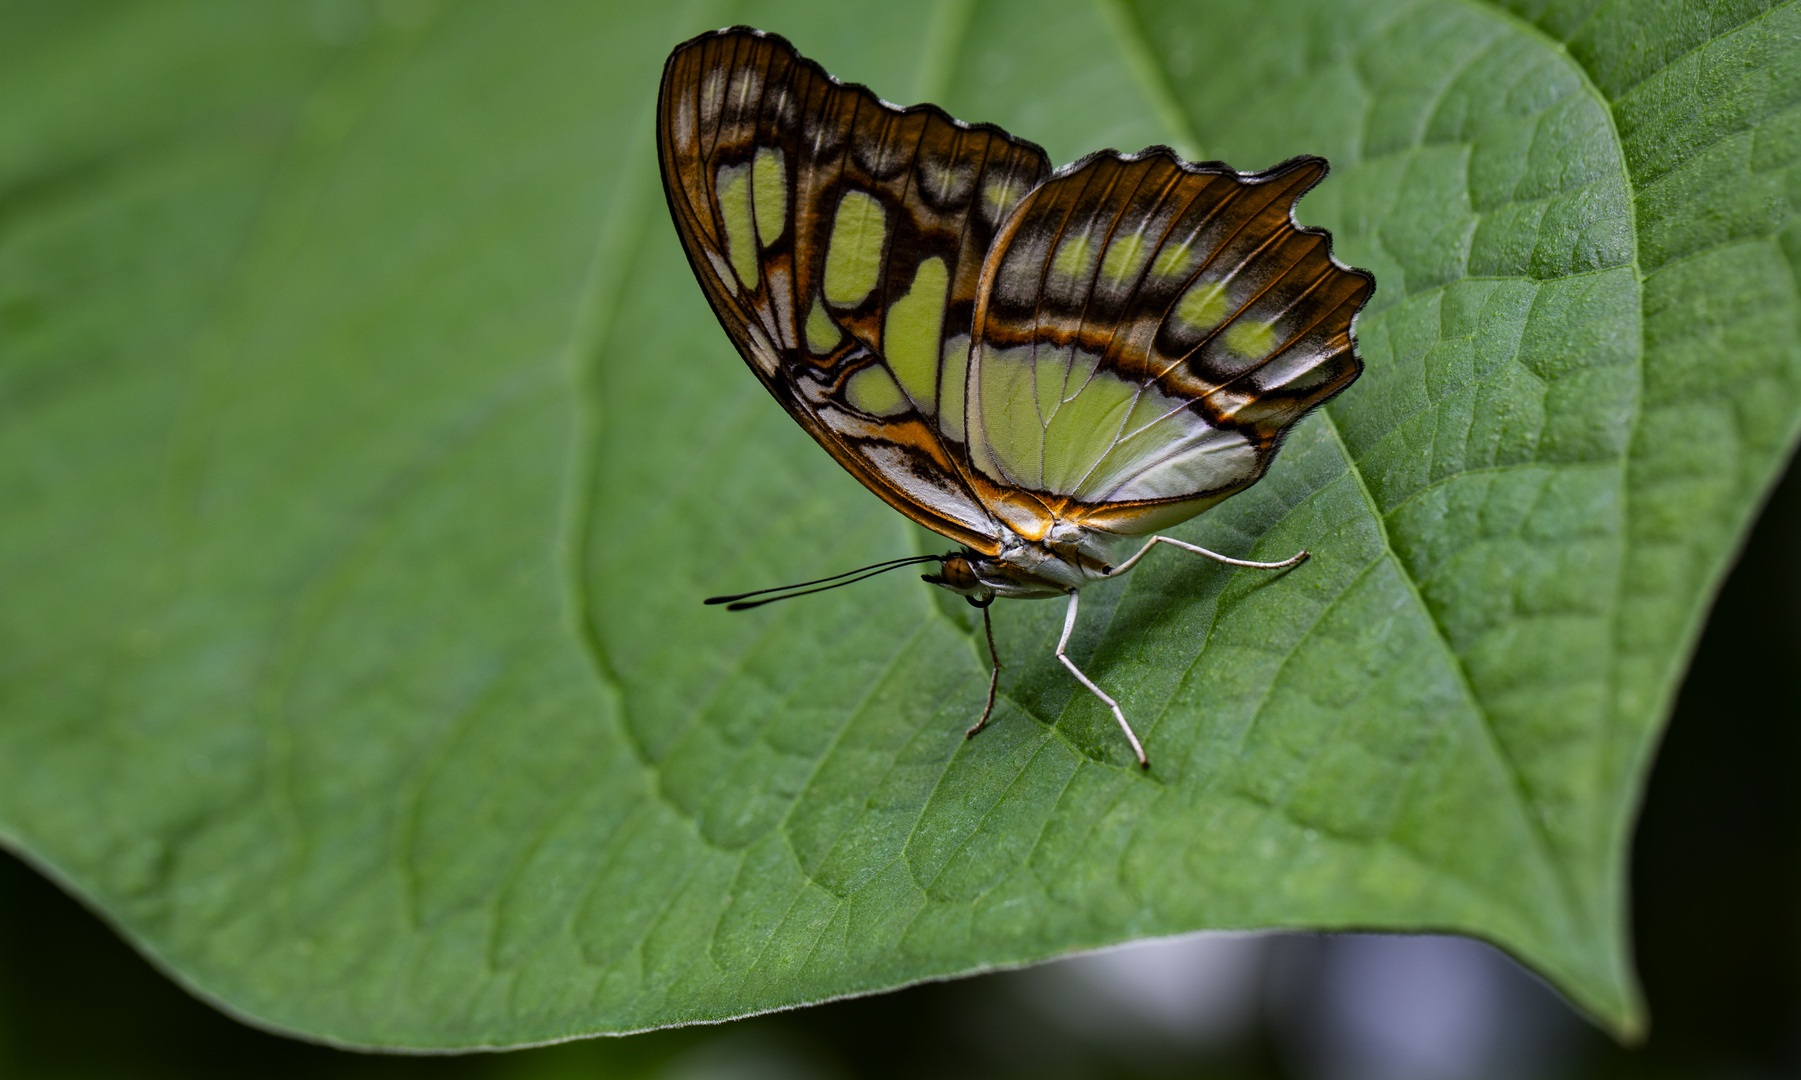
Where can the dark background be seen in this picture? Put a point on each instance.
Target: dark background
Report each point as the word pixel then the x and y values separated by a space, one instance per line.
pixel 1716 873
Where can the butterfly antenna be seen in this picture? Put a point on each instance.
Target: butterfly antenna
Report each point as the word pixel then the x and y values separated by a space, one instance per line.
pixel 737 602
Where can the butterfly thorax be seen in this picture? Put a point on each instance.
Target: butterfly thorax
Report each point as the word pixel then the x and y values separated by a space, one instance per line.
pixel 1068 558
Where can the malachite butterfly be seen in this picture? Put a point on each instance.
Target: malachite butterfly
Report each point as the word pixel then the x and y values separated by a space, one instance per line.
pixel 1038 364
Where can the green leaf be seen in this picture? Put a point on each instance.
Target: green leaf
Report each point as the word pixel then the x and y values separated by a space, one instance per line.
pixel 366 447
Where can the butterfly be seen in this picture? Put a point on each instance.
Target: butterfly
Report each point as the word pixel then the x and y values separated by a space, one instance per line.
pixel 1038 364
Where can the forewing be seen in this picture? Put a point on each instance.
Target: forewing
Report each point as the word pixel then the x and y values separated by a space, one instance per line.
pixel 840 241
pixel 1148 331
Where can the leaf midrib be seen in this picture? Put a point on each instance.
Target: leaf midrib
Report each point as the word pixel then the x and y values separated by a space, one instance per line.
pixel 1574 913
pixel 1615 827
pixel 620 241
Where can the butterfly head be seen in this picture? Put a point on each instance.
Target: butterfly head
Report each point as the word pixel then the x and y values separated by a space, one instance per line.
pixel 1022 570
pixel 957 573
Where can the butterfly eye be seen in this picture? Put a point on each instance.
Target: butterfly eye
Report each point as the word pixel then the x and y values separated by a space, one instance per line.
pixel 957 575
pixel 960 575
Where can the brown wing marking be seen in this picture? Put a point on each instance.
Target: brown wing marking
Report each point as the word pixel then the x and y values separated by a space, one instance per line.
pixel 1193 284
pixel 738 100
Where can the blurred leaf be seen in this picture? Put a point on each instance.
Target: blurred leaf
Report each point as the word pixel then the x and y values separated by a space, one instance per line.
pixel 366 447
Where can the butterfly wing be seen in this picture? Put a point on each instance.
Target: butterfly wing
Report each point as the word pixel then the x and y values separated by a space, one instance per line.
pixel 840 241
pixel 1147 332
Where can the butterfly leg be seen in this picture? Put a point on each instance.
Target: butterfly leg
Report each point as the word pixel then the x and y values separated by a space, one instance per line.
pixel 994 676
pixel 1069 625
pixel 1298 557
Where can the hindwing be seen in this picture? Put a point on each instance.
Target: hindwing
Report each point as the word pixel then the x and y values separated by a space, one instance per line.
pixel 1148 331
pixel 840 241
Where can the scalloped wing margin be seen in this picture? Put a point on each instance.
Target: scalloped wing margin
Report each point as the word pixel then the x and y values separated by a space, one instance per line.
pixel 840 240
pixel 1148 332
